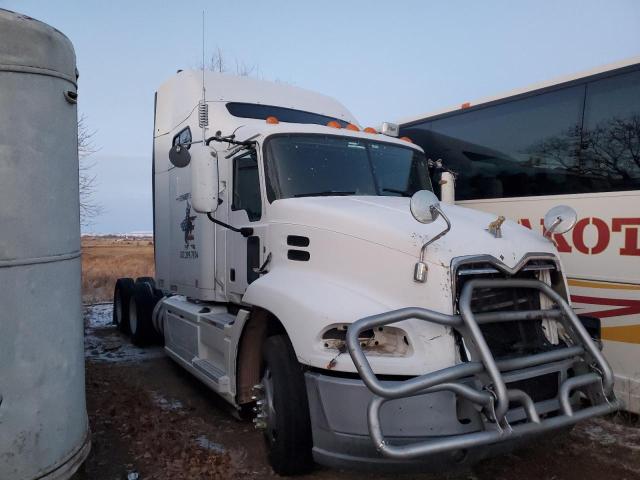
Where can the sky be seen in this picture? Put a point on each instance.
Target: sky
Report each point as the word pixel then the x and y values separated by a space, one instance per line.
pixel 383 60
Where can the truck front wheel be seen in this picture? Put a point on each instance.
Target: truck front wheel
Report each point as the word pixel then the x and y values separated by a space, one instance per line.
pixel 284 410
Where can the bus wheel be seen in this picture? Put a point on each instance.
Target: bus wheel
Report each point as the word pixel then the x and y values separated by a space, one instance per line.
pixel 122 294
pixel 140 309
pixel 283 410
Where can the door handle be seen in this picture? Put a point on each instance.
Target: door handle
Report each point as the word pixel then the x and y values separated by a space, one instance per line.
pixel 263 268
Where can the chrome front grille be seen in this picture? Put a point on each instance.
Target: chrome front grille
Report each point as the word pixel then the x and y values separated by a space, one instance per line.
pixel 492 300
pixel 509 339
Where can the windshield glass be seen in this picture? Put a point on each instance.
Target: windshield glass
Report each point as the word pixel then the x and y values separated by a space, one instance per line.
pixel 306 165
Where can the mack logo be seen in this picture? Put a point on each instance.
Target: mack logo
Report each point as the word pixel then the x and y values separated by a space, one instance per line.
pixel 628 227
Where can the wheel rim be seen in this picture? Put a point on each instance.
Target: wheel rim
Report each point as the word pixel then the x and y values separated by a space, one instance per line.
pixel 268 407
pixel 118 309
pixel 133 316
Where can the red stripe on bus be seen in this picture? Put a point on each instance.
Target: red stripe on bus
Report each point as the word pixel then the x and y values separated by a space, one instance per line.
pixel 626 307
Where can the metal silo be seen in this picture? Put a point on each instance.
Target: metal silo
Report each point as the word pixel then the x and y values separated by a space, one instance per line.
pixel 44 431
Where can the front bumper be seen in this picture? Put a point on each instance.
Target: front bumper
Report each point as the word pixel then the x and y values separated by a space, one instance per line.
pixel 341 438
pixel 466 412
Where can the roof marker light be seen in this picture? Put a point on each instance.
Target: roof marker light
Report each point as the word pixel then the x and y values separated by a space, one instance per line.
pixel 353 127
pixel 406 139
pixel 370 130
pixel 465 105
pixel 334 124
pixel 390 129
pixel 272 120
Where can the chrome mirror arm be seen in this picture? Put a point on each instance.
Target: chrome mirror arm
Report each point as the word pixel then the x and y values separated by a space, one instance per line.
pixel 420 269
pixel 553 226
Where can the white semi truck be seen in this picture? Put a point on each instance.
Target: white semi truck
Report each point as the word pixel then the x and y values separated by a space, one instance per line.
pixel 306 271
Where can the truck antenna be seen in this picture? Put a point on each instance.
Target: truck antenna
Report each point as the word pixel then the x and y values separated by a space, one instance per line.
pixel 203 108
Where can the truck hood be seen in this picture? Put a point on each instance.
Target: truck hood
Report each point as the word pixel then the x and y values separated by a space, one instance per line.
pixel 387 221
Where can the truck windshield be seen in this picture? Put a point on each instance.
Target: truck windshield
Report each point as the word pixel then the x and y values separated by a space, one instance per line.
pixel 307 165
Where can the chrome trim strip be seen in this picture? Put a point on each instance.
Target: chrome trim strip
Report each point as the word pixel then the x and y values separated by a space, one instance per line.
pixel 458 262
pixel 479 271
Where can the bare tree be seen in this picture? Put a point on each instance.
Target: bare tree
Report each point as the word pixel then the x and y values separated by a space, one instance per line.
pixel 89 208
pixel 614 146
pixel 218 63
pixel 611 149
pixel 245 70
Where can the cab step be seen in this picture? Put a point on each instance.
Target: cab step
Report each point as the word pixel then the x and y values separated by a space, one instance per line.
pixel 212 372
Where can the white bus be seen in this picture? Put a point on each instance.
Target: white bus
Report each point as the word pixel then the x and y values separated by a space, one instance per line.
pixel 573 141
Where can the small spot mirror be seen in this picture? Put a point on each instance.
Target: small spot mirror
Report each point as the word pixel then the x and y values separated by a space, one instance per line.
pixel 424 206
pixel 179 156
pixel 560 219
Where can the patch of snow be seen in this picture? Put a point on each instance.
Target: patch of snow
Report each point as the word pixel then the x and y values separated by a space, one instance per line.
pixel 164 404
pixel 99 315
pixel 104 343
pixel 599 435
pixel 607 432
pixel 204 442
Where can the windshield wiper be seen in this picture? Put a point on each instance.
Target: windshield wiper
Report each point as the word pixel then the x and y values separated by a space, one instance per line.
pixel 404 193
pixel 326 193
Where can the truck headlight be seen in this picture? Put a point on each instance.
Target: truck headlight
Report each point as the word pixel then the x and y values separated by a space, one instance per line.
pixel 382 341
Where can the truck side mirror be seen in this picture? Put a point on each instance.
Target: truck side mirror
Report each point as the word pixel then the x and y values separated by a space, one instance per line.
pixel 204 179
pixel 179 156
pixel 424 206
pixel 559 219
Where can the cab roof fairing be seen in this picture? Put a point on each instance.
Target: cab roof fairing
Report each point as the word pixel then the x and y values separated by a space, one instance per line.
pixel 178 97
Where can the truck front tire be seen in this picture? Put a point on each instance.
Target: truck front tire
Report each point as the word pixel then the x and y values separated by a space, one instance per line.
pixel 288 427
pixel 122 293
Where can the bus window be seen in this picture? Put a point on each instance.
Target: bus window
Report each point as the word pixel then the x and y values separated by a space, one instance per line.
pixel 520 148
pixel 611 132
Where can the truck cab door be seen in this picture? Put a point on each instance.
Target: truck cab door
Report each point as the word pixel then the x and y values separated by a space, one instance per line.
pixel 244 255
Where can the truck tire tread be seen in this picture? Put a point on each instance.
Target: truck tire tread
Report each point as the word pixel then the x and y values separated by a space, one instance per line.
pixel 290 452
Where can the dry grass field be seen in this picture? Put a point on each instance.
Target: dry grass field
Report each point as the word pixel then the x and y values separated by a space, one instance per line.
pixel 104 259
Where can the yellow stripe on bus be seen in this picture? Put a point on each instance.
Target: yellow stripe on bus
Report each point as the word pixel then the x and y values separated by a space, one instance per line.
pixel 574 282
pixel 624 333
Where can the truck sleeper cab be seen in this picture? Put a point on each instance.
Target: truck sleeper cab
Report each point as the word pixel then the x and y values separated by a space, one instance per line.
pixel 305 269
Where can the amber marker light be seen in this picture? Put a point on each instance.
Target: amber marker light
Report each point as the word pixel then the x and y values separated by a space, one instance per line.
pixel 353 127
pixel 370 130
pixel 334 124
pixel 272 120
pixel 406 139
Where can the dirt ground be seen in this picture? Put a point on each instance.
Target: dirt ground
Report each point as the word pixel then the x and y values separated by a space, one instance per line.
pixel 150 417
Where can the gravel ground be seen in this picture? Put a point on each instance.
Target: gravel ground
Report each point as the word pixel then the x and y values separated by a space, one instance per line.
pixel 149 416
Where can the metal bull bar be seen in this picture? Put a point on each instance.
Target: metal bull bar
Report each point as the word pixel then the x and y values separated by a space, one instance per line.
pixel 592 373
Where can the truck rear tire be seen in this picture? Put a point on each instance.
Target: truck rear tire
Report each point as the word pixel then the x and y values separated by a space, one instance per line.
pixel 122 293
pixel 140 310
pixel 150 280
pixel 288 427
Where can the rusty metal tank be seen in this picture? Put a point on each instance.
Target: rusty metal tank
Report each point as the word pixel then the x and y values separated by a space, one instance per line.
pixel 44 432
